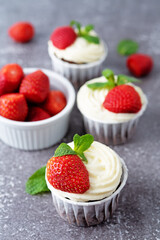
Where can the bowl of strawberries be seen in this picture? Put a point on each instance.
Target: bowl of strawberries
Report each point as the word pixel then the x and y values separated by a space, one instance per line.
pixel 35 107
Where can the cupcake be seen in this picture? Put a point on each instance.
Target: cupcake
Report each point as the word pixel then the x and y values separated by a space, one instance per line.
pixel 85 178
pixel 111 107
pixel 77 53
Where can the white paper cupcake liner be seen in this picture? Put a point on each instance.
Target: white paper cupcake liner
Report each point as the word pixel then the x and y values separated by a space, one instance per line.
pixel 88 213
pixel 78 74
pixel 40 134
pixel 112 133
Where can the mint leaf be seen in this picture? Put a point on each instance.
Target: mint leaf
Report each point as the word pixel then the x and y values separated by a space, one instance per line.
pixel 37 183
pixel 88 28
pixel 127 47
pixel 81 155
pixel 91 39
pixel 107 73
pixel 123 79
pixel 63 150
pixel 78 25
pixel 82 143
pixel 100 85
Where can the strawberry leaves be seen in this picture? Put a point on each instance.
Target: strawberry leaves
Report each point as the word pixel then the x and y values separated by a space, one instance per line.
pixel 85 32
pixel 111 80
pixel 81 144
pixel 36 183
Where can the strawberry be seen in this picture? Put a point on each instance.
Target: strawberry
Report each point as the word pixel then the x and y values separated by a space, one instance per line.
pixel 10 78
pixel 35 87
pixel 63 37
pixel 2 83
pixel 68 173
pixel 55 102
pixel 139 64
pixel 122 99
pixel 21 32
pixel 13 106
pixel 37 114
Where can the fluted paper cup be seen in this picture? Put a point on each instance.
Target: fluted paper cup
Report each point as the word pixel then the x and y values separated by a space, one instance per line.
pixel 112 133
pixel 88 213
pixel 44 133
pixel 78 74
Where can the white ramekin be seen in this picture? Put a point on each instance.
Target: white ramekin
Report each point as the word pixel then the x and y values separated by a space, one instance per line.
pixel 88 213
pixel 112 133
pixel 44 133
pixel 78 74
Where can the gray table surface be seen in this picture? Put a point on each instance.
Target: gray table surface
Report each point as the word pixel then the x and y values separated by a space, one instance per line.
pixel 34 217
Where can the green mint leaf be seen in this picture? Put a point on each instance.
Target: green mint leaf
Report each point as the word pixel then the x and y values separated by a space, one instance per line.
pixel 37 183
pixel 88 28
pixel 123 79
pixel 81 155
pixel 91 39
pixel 100 85
pixel 82 143
pixel 127 47
pixel 77 24
pixel 63 150
pixel 109 74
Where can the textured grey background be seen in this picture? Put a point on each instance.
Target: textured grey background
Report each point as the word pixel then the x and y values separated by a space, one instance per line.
pixel 138 216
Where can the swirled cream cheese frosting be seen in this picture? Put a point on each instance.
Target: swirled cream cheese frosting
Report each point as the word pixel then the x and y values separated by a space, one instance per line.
pixel 105 171
pixel 81 51
pixel 90 103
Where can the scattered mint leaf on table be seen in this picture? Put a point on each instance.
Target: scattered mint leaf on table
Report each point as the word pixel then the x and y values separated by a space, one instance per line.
pixel 127 47
pixel 37 183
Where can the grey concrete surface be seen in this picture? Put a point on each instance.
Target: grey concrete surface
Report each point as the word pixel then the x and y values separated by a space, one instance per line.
pixel 34 217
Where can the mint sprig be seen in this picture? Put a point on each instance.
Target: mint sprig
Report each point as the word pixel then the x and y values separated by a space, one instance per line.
pixel 127 47
pixel 111 80
pixel 85 32
pixel 81 144
pixel 37 183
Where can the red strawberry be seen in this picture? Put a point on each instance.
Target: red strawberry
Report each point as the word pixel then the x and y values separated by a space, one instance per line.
pixel 10 78
pixel 139 64
pixel 13 106
pixel 123 99
pixel 63 37
pixel 37 114
pixel 2 83
pixel 55 102
pixel 68 173
pixel 35 87
pixel 21 32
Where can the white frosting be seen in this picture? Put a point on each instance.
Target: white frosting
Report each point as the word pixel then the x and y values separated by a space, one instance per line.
pixel 105 170
pixel 81 51
pixel 90 104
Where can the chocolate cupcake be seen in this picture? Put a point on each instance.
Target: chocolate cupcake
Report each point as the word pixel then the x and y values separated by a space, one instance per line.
pixel 77 53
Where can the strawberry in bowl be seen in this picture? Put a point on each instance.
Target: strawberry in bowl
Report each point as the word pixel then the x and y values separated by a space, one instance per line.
pixel 24 121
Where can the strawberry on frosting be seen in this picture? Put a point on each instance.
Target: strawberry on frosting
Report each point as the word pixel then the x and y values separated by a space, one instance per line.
pixel 123 99
pixel 63 37
pixel 66 170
